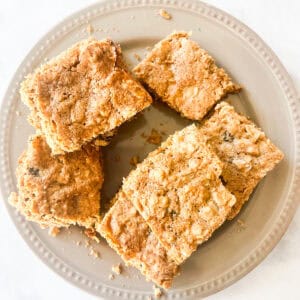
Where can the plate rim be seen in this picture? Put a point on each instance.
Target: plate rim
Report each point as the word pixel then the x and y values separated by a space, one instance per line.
pixel 276 231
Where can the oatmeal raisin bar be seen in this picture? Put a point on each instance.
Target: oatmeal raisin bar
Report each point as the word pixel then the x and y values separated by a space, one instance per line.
pixel 130 236
pixel 58 190
pixel 177 190
pixel 82 94
pixel 244 149
pixel 184 76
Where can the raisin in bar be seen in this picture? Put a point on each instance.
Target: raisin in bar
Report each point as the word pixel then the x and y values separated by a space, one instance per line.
pixel 130 236
pixel 183 75
pixel 82 94
pixel 248 155
pixel 177 190
pixel 58 190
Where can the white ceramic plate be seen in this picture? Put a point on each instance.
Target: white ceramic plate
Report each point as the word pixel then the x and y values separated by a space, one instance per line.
pixel 268 98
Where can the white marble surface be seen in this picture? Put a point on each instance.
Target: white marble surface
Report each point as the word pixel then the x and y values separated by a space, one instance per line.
pixel 22 275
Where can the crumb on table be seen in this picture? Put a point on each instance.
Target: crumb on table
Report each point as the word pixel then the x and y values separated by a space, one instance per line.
pixel 111 277
pixel 164 14
pixel 54 231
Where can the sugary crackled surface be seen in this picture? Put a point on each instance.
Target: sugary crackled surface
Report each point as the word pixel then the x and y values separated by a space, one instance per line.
pixel 58 190
pixel 128 234
pixel 244 149
pixel 184 76
pixel 81 94
pixel 178 192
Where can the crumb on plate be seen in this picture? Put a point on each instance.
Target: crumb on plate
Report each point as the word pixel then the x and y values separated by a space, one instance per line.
pixel 157 292
pixel 134 160
pixel 241 224
pixel 154 138
pixel 117 158
pixel 117 269
pixel 137 56
pixel 164 14
pixel 94 253
pixel 89 29
pixel 87 243
pixel 91 233
pixel 54 231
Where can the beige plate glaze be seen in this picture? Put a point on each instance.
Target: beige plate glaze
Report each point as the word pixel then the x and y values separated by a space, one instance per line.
pixel 269 98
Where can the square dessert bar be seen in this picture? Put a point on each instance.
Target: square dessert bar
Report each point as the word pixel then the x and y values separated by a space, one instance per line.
pixel 58 190
pixel 184 76
pixel 246 152
pixel 130 236
pixel 178 191
pixel 82 94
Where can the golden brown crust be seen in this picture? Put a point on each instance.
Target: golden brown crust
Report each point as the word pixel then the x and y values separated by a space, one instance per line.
pixel 128 234
pixel 184 76
pixel 81 94
pixel 244 149
pixel 177 190
pixel 58 190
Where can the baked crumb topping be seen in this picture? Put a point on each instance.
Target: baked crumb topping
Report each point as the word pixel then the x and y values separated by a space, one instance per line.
pixel 177 190
pixel 81 94
pixel 182 74
pixel 244 149
pixel 61 190
pixel 130 236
